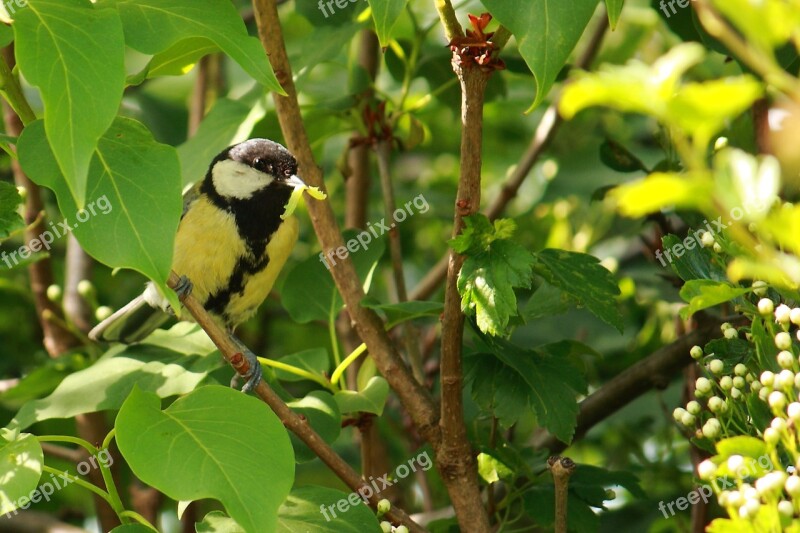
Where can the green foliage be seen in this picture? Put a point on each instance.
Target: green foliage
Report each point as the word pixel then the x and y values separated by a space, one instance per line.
pixel 369 399
pixel 385 14
pixel 57 46
pixel 583 278
pixel 546 32
pixel 10 220
pixel 494 266
pixel 210 444
pixel 21 463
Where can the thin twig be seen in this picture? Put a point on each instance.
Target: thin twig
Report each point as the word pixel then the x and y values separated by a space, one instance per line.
pixel 295 423
pixel 561 468
pixel 447 14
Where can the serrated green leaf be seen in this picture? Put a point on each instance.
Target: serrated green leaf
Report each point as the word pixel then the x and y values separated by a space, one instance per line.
pixel 552 381
pixel 21 463
pixel 546 32
pixel 73 51
pixel 385 14
pixel 210 444
pixel 133 190
pixel 10 200
pixel 322 412
pixel 548 300
pixel 614 9
pixel 585 279
pixel 497 388
pixel 694 261
pixel 107 383
pixel 704 293
pixel 152 26
pixel 370 399
pixel 302 511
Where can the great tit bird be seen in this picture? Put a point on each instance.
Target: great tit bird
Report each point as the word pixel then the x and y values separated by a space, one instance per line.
pixel 232 242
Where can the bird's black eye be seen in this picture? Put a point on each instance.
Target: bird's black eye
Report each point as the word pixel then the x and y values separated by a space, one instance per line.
pixel 262 165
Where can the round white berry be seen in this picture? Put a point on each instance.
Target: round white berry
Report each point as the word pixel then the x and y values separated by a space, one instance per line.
pixel 794 316
pixel 794 411
pixel 693 407
pixel 759 287
pixel 696 352
pixel 785 359
pixel 736 393
pixel 688 419
pixel 782 313
pixel 766 306
pixel 740 370
pixel 703 384
pixel 707 239
pixel 792 486
pixel 731 333
pixel 706 470
pixel 739 382
pixel 772 436
pixel 712 428
pixel 777 400
pixel 785 508
pixel 783 341
pixel 767 378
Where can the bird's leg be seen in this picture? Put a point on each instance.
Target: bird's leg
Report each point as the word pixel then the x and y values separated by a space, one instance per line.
pixel 254 373
pixel 183 288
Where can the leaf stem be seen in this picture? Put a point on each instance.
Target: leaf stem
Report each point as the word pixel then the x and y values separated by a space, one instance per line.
pixel 85 484
pixel 72 440
pixel 339 371
pixel 297 371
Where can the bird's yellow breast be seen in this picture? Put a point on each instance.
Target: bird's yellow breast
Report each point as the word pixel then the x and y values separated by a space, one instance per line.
pixel 208 249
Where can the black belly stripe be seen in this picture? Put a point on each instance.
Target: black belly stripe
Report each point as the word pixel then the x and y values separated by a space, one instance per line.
pixel 217 302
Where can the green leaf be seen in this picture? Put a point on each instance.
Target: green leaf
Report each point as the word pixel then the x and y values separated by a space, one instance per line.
pixel 132 528
pixel 210 444
pixel 689 109
pixel 315 360
pixel 540 505
pixel 585 279
pixel 783 225
pixel 322 413
pixel 552 385
pixel 21 463
pixel 614 9
pixel 10 199
pixel 176 60
pixel 747 185
pixel 705 293
pixel 227 123
pixel 309 294
pixel 370 399
pixel 493 268
pixel 302 511
pixel 404 311
pixel 617 157
pixel 152 26
pixel 492 469
pixel 73 52
pixel 694 261
pixel 217 522
pixel 107 383
pixel 730 351
pixel 634 87
pixel 497 388
pixel 548 300
pixel 385 14
pixel 546 32
pixel 134 197
pixel 661 190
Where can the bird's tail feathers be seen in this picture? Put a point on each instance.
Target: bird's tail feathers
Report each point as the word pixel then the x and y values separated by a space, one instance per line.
pixel 131 323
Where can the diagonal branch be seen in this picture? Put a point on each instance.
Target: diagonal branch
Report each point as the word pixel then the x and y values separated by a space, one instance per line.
pixel 295 423
pixel 415 397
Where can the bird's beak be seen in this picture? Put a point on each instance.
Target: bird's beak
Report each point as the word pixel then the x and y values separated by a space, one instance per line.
pixel 295 182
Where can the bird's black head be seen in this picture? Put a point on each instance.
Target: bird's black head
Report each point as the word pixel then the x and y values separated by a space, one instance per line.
pixel 243 170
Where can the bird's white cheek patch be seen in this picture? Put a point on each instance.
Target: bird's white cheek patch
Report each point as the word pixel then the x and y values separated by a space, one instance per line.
pixel 237 180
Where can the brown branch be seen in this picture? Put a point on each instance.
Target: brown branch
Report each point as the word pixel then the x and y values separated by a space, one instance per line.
pixel 207 86
pixel 655 371
pixel 545 132
pixel 368 324
pixel 561 468
pixel 455 459
pixel 295 423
